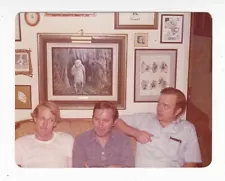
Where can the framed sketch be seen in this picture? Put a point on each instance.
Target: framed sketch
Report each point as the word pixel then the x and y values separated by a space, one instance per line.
pixel 23 97
pixel 140 39
pixel 17 28
pixel 171 28
pixel 71 14
pixel 154 70
pixel 23 64
pixel 136 20
pixel 76 72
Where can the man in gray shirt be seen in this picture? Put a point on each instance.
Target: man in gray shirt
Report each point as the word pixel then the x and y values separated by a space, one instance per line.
pixel 103 146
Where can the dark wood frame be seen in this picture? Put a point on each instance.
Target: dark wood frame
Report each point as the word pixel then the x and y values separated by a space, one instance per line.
pixel 30 71
pixel 120 39
pixel 152 98
pixel 161 29
pixel 17 40
pixel 29 106
pixel 150 26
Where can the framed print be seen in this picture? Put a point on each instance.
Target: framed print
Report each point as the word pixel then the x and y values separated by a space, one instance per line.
pixel 58 14
pixel 171 28
pixel 140 39
pixel 154 70
pixel 17 28
pixel 75 72
pixel 23 64
pixel 32 19
pixel 23 97
pixel 136 20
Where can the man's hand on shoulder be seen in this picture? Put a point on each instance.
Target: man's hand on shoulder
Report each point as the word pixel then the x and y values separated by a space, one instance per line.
pixel 143 137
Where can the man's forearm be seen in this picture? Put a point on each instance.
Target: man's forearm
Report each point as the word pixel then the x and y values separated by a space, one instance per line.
pixel 128 130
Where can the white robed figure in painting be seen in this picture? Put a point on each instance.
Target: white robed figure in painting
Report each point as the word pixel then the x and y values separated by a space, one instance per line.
pixel 78 72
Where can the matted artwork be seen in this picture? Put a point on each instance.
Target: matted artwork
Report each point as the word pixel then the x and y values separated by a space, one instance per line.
pixel 72 14
pixel 23 64
pixel 17 28
pixel 136 20
pixel 154 70
pixel 140 39
pixel 171 28
pixel 23 97
pixel 75 74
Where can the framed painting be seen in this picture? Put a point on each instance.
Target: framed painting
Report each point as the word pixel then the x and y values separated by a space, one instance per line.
pixel 75 72
pixel 17 28
pixel 171 28
pixel 136 20
pixel 70 14
pixel 23 97
pixel 154 70
pixel 23 65
pixel 140 39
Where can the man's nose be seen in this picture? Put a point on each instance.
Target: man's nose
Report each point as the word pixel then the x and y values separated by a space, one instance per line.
pixel 45 123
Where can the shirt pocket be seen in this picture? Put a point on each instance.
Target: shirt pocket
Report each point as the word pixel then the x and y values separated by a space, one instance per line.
pixel 173 147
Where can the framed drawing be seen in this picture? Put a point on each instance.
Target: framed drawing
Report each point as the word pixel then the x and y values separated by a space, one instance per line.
pixel 136 20
pixel 75 72
pixel 23 97
pixel 140 39
pixel 23 64
pixel 171 28
pixel 17 28
pixel 55 14
pixel 154 70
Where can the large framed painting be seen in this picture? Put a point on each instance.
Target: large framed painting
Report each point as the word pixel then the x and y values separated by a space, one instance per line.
pixel 76 72
pixel 154 70
pixel 136 20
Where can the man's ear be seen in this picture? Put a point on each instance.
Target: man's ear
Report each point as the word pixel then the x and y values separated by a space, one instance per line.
pixel 114 123
pixel 178 111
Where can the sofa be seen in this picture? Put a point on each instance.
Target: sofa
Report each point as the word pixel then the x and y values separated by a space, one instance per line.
pixel 73 126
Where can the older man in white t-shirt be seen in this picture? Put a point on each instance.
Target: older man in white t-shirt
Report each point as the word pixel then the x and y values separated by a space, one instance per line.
pixel 163 139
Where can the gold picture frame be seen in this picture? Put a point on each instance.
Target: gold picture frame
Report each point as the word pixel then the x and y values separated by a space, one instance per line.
pixel 23 65
pixel 23 97
pixel 141 40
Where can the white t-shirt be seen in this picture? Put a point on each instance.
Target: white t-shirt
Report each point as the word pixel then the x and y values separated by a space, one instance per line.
pixel 171 146
pixel 33 153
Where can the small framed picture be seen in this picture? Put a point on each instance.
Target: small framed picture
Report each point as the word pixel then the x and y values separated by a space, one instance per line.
pixel 154 70
pixel 23 97
pixel 136 20
pixel 17 28
pixel 171 28
pixel 141 39
pixel 23 64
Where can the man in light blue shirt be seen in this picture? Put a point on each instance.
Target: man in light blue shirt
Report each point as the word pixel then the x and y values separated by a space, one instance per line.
pixel 163 139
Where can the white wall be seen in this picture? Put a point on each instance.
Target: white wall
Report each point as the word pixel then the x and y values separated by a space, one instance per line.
pixel 102 23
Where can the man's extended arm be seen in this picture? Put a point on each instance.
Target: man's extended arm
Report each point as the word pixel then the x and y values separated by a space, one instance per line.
pixel 140 136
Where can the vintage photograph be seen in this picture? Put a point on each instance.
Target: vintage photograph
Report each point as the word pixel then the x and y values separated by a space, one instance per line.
pixel 23 64
pixel 136 20
pixel 23 97
pixel 171 28
pixel 155 69
pixel 141 40
pixel 82 71
pixel 17 28
pixel 77 74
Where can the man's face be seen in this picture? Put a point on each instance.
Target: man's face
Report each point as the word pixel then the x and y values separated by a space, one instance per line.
pixel 103 122
pixel 166 108
pixel 45 122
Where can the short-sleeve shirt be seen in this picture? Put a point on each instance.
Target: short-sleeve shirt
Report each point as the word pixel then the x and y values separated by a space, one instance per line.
pixel 117 151
pixel 33 153
pixel 171 146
